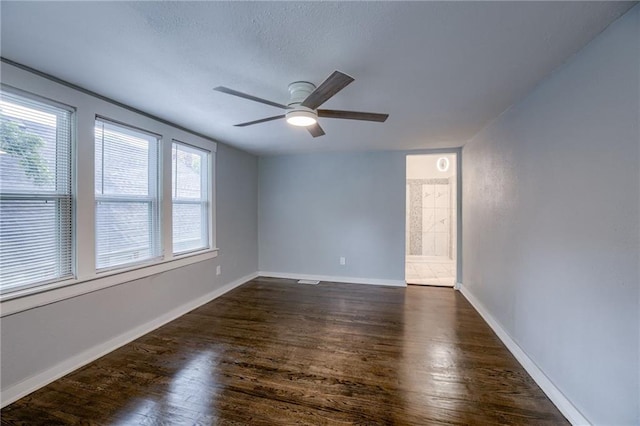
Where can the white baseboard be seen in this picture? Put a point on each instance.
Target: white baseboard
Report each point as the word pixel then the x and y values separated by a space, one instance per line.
pixel 33 383
pixel 555 395
pixel 349 280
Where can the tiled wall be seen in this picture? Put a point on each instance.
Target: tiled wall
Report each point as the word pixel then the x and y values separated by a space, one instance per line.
pixel 430 217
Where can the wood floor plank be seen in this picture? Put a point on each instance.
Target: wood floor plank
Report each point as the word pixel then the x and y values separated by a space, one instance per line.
pixel 276 352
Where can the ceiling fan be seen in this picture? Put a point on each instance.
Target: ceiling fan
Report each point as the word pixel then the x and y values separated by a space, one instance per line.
pixel 304 100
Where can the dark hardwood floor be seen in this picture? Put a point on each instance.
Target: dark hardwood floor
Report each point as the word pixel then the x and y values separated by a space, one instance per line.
pixel 276 352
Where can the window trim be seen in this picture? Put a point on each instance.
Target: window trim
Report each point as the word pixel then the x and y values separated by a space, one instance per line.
pixel 52 195
pixel 33 297
pixel 208 203
pixel 154 201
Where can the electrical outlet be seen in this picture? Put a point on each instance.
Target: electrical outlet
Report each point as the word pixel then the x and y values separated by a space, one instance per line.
pixel 218 270
pixel 343 260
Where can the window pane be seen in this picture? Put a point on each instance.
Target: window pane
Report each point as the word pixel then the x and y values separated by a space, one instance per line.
pixel 189 227
pixel 29 143
pixel 188 174
pixel 35 185
pixel 122 161
pixel 123 233
pixel 190 198
pixel 127 225
pixel 33 247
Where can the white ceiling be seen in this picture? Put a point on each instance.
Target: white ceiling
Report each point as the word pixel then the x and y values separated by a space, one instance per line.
pixel 442 70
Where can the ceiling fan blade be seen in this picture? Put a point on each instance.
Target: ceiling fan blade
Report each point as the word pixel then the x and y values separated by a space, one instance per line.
pixel 332 85
pixel 315 130
pixel 262 120
pixel 249 97
pixel 352 115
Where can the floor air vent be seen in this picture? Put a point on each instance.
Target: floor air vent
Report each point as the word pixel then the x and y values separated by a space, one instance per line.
pixel 312 282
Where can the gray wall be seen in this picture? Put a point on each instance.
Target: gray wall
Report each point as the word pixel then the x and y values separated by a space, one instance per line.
pixel 39 339
pixel 237 213
pixel 316 208
pixel 551 224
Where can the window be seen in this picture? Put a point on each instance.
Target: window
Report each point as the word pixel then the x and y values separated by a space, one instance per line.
pixel 190 194
pixel 126 188
pixel 78 217
pixel 36 202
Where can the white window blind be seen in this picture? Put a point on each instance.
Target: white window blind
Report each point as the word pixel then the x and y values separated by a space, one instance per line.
pixel 127 207
pixel 190 194
pixel 36 202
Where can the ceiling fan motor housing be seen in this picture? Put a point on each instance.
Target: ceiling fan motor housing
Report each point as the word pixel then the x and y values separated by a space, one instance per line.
pixel 298 92
pixel 299 115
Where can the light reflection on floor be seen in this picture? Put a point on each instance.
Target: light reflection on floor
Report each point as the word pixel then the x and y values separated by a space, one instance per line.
pixel 431 364
pixel 197 375
pixel 189 397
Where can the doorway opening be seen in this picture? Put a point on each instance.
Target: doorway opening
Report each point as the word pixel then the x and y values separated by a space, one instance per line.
pixel 431 219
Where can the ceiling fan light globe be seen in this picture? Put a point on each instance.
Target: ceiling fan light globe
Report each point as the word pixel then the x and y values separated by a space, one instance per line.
pixel 301 121
pixel 301 118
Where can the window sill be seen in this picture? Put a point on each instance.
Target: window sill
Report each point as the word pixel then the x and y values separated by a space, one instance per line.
pixel 22 300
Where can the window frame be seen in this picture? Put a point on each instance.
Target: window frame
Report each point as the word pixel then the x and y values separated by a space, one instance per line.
pixel 206 182
pixel 87 106
pixel 55 195
pixel 154 199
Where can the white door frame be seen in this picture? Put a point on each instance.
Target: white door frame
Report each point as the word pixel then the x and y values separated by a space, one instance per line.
pixel 458 152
